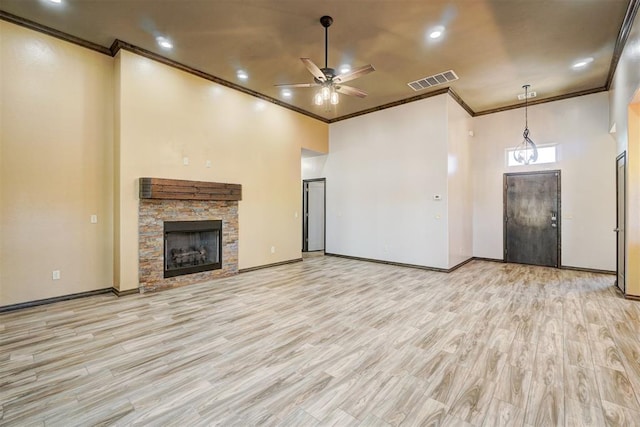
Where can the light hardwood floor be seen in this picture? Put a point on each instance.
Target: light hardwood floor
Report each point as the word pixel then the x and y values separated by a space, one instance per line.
pixel 332 341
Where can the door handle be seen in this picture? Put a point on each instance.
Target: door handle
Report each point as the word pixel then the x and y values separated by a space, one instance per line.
pixel 616 230
pixel 554 225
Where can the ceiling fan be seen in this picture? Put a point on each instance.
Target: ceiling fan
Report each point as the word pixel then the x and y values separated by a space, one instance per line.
pixel 326 78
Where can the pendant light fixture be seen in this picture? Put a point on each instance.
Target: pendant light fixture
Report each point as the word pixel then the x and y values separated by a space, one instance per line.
pixel 526 152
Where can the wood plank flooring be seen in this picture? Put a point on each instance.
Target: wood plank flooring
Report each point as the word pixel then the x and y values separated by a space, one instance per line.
pixel 333 342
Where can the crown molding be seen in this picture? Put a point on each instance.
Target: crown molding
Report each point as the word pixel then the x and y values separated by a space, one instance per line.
pixel 543 101
pixel 621 41
pixel 5 16
pixel 117 45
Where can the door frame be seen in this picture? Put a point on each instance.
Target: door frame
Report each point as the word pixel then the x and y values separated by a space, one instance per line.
pixel 305 212
pixel 622 156
pixel 558 174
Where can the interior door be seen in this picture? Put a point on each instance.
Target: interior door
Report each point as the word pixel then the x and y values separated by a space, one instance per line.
pixel 314 215
pixel 621 165
pixel 532 218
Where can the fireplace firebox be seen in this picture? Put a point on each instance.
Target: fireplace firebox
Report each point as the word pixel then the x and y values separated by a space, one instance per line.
pixel 192 247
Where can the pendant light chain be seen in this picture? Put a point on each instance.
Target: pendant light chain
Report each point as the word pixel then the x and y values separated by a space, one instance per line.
pixel 526 105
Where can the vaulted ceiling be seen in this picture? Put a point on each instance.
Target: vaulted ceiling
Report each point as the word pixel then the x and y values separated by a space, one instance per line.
pixel 494 46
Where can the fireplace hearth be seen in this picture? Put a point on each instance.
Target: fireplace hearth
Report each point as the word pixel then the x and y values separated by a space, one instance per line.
pixel 192 247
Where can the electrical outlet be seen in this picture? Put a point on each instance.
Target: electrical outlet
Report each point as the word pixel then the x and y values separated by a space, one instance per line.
pixel 273 249
pixel 55 275
pixel 208 163
pixel 94 219
pixel 185 161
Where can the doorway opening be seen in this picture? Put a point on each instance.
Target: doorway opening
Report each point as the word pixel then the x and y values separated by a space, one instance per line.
pixel 532 218
pixel 313 214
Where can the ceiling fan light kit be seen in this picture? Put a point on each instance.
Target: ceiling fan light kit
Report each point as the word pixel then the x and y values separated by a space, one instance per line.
pixel 327 80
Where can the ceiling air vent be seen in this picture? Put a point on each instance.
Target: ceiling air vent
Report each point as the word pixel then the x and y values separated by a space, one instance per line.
pixel 436 79
pixel 529 95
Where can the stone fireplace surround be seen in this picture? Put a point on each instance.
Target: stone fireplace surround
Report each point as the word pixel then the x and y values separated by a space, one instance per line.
pixel 178 200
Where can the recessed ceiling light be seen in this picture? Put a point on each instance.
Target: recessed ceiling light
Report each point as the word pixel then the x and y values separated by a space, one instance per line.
pixel 345 68
pixel 55 1
pixel 286 93
pixel 436 32
pixel 242 75
pixel 581 63
pixel 164 42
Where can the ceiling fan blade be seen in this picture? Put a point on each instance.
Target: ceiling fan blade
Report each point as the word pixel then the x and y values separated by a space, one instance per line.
pixel 299 85
pixel 354 74
pixel 348 90
pixel 313 69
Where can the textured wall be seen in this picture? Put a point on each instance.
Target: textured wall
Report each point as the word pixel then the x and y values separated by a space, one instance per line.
pixel 165 115
pixel 382 172
pixel 56 167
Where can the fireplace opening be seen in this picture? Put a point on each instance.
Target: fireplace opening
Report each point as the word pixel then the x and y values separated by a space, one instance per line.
pixel 192 247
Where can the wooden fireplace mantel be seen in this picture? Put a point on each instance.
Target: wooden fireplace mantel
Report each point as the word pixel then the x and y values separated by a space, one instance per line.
pixel 177 189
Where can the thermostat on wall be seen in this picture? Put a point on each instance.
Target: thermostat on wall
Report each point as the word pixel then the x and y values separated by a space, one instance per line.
pixel 437 197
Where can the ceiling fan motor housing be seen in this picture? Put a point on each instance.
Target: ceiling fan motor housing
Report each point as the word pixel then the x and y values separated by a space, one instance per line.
pixel 330 73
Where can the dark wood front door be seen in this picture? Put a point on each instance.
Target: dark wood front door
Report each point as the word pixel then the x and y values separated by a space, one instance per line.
pixel 532 218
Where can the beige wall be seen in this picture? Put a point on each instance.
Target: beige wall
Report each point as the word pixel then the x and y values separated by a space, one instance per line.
pixel 55 167
pixel 318 145
pixel 633 201
pixel 624 115
pixel 166 115
pixel 79 128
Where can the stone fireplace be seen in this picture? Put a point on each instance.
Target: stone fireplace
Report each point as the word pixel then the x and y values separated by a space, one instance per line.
pixel 188 232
